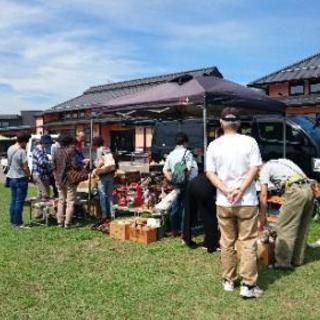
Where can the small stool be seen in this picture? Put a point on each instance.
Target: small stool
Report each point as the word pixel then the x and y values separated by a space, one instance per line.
pixel 29 202
pixel 45 207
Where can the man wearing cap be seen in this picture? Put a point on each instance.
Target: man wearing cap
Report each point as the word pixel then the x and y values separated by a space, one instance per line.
pixel 295 213
pixel 232 163
pixel 41 167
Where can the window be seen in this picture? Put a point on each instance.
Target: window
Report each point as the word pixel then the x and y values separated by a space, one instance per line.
pixel 87 132
pixel 248 129
pixel 274 131
pixel 122 140
pixel 271 131
pixel 81 114
pixel 315 86
pixel 4 124
pixel 296 89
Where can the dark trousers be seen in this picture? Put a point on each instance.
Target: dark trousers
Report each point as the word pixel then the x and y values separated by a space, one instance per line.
pixel 54 187
pixel 200 197
pixel 177 212
pixel 19 189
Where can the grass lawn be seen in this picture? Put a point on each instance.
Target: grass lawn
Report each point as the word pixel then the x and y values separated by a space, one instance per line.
pixel 50 273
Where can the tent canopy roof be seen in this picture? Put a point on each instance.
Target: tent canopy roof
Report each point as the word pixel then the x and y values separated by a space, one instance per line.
pixel 185 93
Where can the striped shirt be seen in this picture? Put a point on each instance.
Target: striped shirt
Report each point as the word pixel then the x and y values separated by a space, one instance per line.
pixel 41 165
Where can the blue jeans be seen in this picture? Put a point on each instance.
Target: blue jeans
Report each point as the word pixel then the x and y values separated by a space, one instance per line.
pixel 19 189
pixel 105 186
pixel 177 212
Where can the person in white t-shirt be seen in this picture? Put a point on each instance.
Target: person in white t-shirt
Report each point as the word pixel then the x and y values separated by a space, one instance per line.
pixel 232 163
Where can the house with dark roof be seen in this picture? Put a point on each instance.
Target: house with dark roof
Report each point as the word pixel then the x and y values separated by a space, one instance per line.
pixel 11 124
pixel 74 115
pixel 297 85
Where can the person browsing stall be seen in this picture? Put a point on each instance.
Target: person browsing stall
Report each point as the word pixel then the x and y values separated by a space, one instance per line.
pixel 41 166
pixel 232 163
pixel 178 155
pixel 63 161
pixel 295 214
pixel 105 167
pixel 18 178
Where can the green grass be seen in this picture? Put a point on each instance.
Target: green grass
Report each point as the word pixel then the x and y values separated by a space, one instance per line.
pixel 49 273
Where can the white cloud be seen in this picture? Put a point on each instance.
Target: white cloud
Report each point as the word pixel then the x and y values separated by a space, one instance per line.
pixel 51 51
pixel 13 14
pixel 59 64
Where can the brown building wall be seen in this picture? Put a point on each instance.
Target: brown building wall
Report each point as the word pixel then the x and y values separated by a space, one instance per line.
pixel 279 89
pixel 143 138
pixel 39 125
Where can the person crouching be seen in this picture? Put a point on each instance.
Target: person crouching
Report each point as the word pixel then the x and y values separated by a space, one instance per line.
pixel 295 214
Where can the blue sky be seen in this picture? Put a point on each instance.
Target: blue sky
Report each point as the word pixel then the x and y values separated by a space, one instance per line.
pixel 51 51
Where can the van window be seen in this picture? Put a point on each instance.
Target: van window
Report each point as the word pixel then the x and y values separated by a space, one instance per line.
pixel 270 131
pixel 248 129
pixel 274 131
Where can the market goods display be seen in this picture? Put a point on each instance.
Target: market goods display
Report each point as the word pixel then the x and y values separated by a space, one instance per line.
pixel 140 193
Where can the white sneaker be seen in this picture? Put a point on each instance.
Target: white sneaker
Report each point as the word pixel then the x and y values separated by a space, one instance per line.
pixel 249 292
pixel 22 227
pixel 228 285
pixel 315 244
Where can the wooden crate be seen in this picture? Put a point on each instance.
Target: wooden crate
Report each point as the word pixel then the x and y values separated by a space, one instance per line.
pixel 143 234
pixel 272 219
pixel 120 230
pixel 265 252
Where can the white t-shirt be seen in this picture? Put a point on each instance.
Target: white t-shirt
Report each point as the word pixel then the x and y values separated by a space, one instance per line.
pixel 230 157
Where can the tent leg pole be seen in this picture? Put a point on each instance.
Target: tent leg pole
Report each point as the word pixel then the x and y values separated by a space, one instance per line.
pixel 91 138
pixel 284 135
pixel 205 142
pixel 90 167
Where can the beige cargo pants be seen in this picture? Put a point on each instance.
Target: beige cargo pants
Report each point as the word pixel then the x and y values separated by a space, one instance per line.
pixel 293 225
pixel 67 196
pixel 239 223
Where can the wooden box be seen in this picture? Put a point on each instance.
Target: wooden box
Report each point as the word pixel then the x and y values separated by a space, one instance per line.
pixel 120 230
pixel 265 252
pixel 143 234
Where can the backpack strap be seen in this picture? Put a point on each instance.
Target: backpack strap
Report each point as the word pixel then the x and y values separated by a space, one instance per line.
pixel 184 156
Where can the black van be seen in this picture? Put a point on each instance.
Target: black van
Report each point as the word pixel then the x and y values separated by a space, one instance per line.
pixel 303 138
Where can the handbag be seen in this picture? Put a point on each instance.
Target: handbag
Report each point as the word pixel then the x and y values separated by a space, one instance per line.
pixel 75 176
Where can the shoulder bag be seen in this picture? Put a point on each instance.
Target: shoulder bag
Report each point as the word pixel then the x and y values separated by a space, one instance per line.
pixel 75 175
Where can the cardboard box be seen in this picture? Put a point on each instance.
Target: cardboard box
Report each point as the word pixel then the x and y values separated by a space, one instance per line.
pixel 143 234
pixel 272 219
pixel 120 230
pixel 265 252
